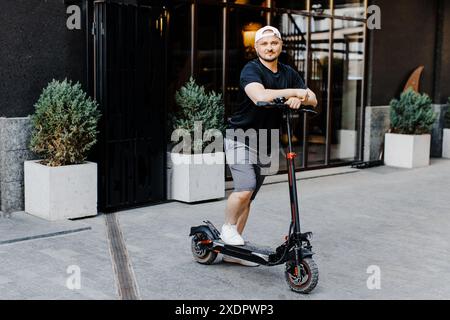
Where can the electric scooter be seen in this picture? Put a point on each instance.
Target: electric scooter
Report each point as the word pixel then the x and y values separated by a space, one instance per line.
pixel 301 272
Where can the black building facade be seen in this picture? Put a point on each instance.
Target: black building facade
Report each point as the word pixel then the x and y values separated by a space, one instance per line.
pixel 133 55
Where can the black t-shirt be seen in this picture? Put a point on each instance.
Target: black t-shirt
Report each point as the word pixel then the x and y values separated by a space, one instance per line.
pixel 248 115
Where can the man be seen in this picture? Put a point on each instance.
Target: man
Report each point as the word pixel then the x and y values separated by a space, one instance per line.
pixel 262 79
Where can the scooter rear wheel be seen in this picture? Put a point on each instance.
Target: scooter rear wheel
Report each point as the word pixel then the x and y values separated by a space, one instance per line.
pixel 303 278
pixel 200 252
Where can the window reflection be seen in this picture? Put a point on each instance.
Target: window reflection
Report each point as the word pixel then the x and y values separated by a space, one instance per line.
pixel 293 30
pixel 347 74
pixel 242 25
pixel 179 51
pixel 260 3
pixel 349 8
pixel 318 83
pixel 210 44
pixel 290 4
pixel 320 6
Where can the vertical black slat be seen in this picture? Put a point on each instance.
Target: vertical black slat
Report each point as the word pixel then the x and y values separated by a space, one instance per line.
pixel 124 145
pixel 308 74
pixel 103 66
pixel 153 35
pixel 143 182
pixel 95 69
pixel 364 88
pixel 158 160
pixel 138 65
pixel 88 45
pixel 160 179
pixel 120 120
pixel 134 100
pixel 224 48
pixel 115 123
pixel 330 87
pixel 122 59
pixel 150 80
pixel 106 113
pixel 128 108
pixel 120 123
pixel 194 14
pixel 138 100
pixel 163 155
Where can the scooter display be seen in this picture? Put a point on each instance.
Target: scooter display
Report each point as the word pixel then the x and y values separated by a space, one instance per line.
pixel 301 272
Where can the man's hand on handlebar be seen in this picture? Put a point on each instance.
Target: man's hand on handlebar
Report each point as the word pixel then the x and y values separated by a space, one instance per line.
pixel 302 94
pixel 294 102
pixel 307 97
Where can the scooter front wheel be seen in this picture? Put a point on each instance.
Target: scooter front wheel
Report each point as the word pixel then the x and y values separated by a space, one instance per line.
pixel 200 252
pixel 302 278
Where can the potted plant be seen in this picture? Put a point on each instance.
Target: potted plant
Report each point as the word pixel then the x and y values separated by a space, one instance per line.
pixel 62 185
pixel 407 144
pixel 196 165
pixel 446 133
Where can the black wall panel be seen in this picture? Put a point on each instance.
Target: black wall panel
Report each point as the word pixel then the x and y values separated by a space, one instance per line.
pixel 35 47
pixel 406 40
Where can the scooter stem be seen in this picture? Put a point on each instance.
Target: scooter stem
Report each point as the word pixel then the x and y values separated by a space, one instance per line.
pixel 290 158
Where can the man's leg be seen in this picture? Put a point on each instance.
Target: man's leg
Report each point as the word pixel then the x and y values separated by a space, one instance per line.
pixel 244 180
pixel 242 220
pixel 237 205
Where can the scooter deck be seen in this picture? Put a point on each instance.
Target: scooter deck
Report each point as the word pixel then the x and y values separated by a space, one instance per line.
pixel 246 248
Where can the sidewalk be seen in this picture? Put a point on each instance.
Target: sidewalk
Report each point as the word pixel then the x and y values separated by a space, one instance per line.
pixel 395 219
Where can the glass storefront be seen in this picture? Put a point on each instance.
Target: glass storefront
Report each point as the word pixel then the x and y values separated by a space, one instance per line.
pixel 323 40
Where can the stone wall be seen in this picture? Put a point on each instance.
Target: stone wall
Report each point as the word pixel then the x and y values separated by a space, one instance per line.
pixel 436 133
pixel 377 123
pixel 14 139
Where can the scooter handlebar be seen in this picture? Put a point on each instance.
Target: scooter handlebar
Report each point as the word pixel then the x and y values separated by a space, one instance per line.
pixel 279 103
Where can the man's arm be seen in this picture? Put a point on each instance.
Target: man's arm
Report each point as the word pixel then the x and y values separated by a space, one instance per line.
pixel 311 99
pixel 256 92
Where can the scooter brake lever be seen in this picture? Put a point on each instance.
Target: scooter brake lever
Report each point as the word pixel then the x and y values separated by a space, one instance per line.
pixel 309 111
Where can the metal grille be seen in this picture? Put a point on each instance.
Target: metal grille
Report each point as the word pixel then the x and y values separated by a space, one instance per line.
pixel 130 88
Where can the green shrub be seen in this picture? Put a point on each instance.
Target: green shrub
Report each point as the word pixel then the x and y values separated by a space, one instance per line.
pixel 447 115
pixel 197 105
pixel 412 113
pixel 64 124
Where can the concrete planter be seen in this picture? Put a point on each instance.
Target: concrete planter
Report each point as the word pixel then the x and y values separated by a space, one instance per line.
pixel 407 151
pixel 195 177
pixel 446 143
pixel 56 193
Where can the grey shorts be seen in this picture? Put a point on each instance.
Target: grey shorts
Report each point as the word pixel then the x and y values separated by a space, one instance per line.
pixel 244 166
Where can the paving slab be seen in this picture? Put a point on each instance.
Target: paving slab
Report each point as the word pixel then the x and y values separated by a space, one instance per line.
pixel 394 220
pixel 42 267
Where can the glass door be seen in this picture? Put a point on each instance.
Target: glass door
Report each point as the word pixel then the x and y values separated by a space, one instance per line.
pixel 317 125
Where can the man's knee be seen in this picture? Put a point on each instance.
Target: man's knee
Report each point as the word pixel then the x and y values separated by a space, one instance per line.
pixel 243 196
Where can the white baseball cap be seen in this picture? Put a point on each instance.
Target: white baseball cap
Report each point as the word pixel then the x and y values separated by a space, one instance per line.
pixel 262 33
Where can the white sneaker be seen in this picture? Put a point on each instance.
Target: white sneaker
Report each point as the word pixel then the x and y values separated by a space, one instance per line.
pixel 231 236
pixel 239 261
